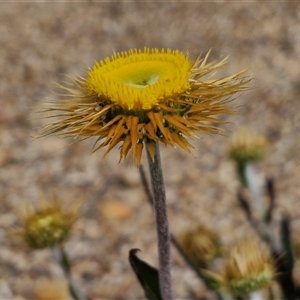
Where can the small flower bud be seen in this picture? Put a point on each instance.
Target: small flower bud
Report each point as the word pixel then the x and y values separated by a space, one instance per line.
pixel 47 226
pixel 247 268
pixel 201 245
pixel 245 146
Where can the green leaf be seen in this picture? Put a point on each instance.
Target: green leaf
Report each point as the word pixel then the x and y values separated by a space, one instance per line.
pixel 287 243
pixel 270 188
pixel 147 276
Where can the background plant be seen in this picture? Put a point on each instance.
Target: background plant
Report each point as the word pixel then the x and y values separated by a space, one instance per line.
pixel 42 41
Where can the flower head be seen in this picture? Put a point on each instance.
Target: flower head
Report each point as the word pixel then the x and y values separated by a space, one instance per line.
pixel 201 245
pixel 144 96
pixel 248 268
pixel 47 226
pixel 246 145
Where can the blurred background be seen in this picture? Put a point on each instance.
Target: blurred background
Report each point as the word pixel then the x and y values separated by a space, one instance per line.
pixel 41 42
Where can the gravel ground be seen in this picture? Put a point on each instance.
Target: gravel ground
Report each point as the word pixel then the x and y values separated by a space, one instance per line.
pixel 41 41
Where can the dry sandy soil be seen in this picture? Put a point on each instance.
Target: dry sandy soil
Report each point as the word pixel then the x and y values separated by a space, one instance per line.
pixel 41 41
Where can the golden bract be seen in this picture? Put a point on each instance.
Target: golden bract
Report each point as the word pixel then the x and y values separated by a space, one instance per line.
pixel 143 97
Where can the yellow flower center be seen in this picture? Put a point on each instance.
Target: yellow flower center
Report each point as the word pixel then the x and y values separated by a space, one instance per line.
pixel 140 79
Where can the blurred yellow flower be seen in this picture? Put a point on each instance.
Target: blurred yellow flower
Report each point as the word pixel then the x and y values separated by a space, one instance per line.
pixel 47 225
pixel 144 96
pixel 248 268
pixel 201 245
pixel 246 145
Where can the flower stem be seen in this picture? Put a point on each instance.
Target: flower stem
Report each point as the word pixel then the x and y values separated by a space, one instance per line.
pixel 252 184
pixel 62 259
pixel 162 225
pixel 176 244
pixel 257 295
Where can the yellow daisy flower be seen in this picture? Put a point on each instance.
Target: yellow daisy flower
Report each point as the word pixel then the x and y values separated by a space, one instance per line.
pixel 142 97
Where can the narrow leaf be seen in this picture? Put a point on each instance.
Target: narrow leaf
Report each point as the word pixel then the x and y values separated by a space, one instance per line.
pixel 147 276
pixel 244 205
pixel 271 193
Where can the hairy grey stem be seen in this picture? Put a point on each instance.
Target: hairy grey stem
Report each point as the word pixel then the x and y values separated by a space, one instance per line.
pixel 176 243
pixel 162 225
